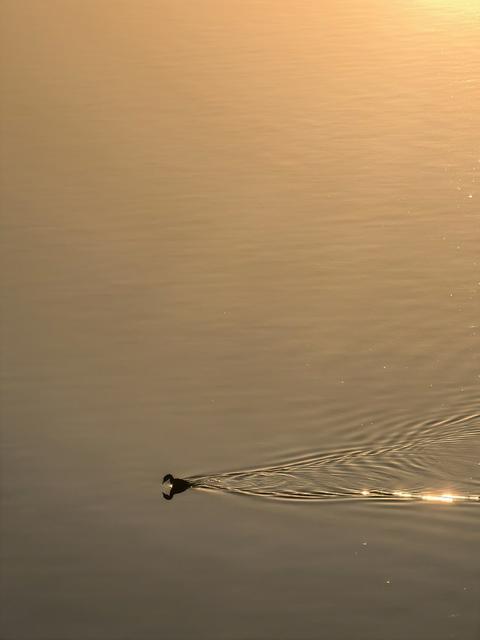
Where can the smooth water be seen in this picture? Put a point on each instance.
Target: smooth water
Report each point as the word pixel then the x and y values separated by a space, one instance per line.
pixel 240 244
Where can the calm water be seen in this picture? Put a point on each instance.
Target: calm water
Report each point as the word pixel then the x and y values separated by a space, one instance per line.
pixel 240 242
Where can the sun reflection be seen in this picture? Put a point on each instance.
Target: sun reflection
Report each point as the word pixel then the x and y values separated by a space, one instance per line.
pixel 403 494
pixel 427 497
pixel 449 497
pixel 443 498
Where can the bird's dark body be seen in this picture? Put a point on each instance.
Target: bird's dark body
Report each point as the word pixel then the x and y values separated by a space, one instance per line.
pixel 177 485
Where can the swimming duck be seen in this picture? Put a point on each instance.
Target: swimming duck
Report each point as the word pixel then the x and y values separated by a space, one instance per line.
pixel 171 486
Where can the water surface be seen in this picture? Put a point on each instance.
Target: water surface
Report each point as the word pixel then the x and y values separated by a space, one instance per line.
pixel 237 237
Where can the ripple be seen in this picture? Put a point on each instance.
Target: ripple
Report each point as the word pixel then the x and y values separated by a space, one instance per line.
pixel 419 465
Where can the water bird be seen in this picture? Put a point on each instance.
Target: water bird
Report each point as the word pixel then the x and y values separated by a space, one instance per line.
pixel 171 486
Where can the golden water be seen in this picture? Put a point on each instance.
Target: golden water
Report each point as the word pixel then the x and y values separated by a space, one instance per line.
pixel 239 236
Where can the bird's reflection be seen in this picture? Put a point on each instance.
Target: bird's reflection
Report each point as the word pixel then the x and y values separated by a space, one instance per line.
pixel 171 486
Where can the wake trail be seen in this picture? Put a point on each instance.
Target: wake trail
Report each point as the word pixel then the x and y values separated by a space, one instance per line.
pixel 418 465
